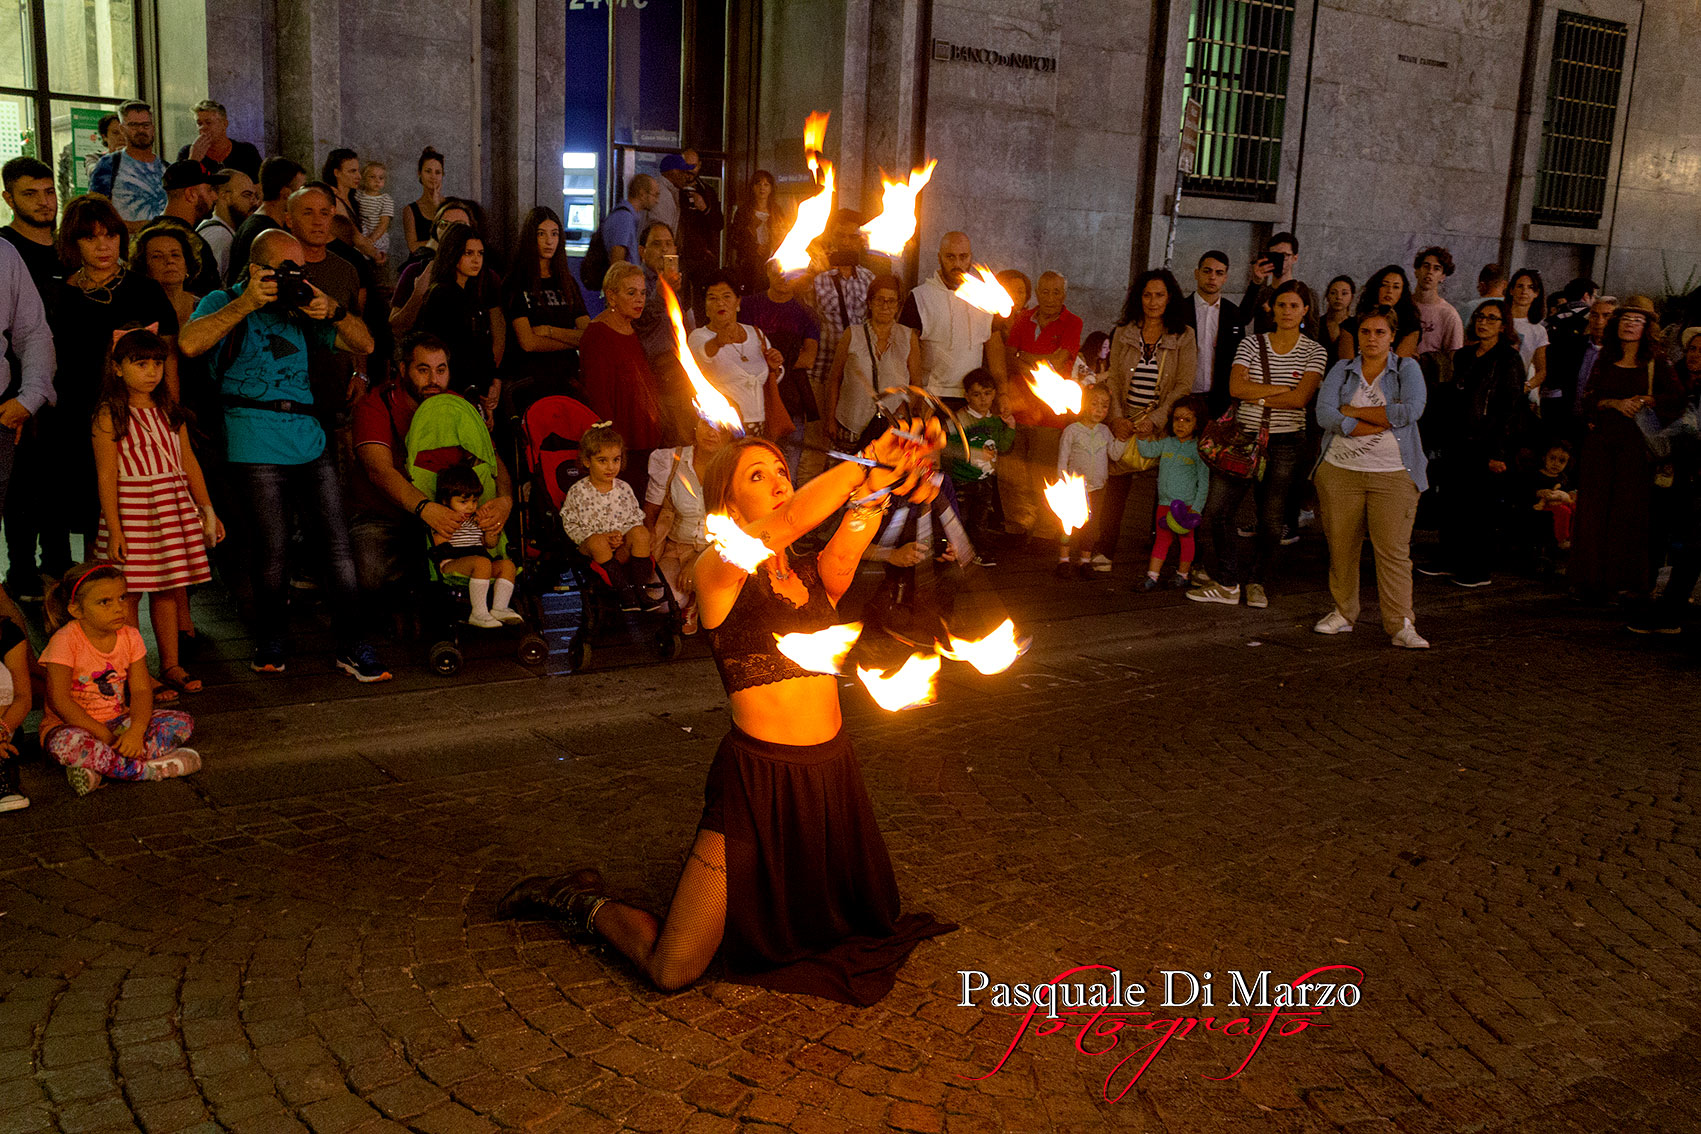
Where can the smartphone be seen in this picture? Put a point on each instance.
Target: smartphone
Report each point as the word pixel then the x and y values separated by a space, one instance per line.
pixel 670 265
pixel 1277 261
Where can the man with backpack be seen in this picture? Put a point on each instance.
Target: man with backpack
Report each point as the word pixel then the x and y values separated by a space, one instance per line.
pixel 616 239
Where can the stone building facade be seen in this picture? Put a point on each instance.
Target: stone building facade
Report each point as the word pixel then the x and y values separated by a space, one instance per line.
pixel 1056 122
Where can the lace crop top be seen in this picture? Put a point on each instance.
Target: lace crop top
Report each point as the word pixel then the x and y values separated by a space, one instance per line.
pixel 743 644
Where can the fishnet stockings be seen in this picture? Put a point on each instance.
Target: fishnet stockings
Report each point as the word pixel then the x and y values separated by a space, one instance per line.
pixel 675 952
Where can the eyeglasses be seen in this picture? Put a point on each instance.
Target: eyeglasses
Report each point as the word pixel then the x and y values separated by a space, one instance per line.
pixel 1487 318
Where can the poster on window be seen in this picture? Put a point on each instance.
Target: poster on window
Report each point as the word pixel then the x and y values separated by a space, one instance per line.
pixel 87 146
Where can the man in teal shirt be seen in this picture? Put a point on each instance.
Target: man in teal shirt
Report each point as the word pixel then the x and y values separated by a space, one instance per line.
pixel 276 442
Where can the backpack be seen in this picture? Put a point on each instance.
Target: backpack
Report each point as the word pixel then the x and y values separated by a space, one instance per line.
pixel 596 263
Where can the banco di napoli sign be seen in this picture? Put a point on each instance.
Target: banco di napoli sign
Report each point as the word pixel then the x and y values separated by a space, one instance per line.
pixel 944 51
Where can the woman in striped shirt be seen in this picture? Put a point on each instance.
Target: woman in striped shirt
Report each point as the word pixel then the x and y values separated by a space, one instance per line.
pixel 1152 360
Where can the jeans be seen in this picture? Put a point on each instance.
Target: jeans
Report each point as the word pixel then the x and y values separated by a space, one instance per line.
pixel 1270 496
pixel 268 489
pixel 389 550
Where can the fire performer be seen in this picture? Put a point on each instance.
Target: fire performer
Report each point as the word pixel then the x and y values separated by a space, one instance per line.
pixel 788 879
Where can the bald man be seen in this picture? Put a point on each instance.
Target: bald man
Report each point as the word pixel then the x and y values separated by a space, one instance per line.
pixel 276 442
pixel 955 337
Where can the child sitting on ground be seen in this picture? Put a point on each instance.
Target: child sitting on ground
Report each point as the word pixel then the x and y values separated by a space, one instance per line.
pixel 490 580
pixel 975 478
pixel 1087 448
pixel 93 658
pixel 602 518
pixel 14 704
pixel 1182 477
pixel 1551 487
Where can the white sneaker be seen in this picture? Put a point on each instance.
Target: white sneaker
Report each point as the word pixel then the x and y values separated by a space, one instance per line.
pixel 177 762
pixel 1216 592
pixel 506 615
pixel 1334 623
pixel 483 620
pixel 1255 595
pixel 1407 638
pixel 1100 563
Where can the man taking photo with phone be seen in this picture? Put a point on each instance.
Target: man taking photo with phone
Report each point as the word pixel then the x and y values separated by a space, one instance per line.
pixel 1278 265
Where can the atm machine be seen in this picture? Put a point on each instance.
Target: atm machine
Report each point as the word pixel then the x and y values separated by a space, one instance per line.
pixel 579 193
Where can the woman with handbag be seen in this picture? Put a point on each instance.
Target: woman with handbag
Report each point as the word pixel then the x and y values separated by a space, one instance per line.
pixel 1632 390
pixel 871 356
pixel 1274 377
pixel 674 513
pixel 1371 473
pixel 1153 357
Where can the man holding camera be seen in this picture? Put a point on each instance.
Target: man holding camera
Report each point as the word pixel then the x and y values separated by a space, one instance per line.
pixel 1278 265
pixel 260 333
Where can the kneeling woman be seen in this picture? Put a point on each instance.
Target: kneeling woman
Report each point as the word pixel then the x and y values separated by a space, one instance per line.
pixel 788 879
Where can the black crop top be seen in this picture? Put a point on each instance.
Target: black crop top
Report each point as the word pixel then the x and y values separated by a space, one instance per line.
pixel 743 644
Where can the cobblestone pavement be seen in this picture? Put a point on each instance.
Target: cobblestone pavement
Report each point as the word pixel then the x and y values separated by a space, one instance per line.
pixel 1501 833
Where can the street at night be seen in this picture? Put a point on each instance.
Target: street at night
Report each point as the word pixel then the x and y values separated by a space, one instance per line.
pixel 1500 833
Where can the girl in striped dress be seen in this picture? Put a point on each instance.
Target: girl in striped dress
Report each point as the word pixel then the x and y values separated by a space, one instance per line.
pixel 156 518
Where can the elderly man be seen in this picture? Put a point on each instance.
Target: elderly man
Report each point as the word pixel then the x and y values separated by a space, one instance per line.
pixel 312 209
pixel 1048 332
pixel 133 177
pixel 277 442
pixel 390 513
pixel 237 198
pixel 1571 362
pixel 955 337
pixel 213 148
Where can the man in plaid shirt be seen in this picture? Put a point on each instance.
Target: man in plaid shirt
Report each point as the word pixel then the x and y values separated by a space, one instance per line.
pixel 841 292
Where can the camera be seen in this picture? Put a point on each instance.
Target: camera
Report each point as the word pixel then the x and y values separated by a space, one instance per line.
pixel 844 258
pixel 293 289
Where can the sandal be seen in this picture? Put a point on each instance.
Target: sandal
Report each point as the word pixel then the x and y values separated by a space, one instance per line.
pixel 165 693
pixel 183 681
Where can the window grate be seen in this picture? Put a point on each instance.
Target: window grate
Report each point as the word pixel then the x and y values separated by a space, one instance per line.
pixel 1582 107
pixel 1237 69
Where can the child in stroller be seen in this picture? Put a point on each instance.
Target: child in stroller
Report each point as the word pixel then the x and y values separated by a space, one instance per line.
pixel 602 517
pixel 469 552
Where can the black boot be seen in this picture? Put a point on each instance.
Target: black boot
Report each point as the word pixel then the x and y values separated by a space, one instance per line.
pixel 571 898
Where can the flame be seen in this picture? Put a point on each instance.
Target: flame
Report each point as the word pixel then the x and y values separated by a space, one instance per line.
pixel 891 230
pixel 992 654
pixel 814 136
pixel 712 405
pixel 1061 394
pixel 823 651
pixel 793 254
pixel 981 289
pixel 737 546
pixel 1068 499
pixel 909 685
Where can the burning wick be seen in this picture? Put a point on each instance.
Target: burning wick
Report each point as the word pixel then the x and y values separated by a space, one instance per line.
pixel 892 229
pixel 1056 391
pixel 909 685
pixel 712 406
pixel 735 545
pixel 793 253
pixel 814 137
pixel 992 654
pixel 979 289
pixel 823 651
pixel 1068 500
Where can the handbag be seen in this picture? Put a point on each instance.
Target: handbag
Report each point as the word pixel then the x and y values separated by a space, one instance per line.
pixel 1653 431
pixel 1131 461
pixel 1229 447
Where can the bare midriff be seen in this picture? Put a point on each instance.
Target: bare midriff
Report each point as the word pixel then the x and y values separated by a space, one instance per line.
pixel 799 710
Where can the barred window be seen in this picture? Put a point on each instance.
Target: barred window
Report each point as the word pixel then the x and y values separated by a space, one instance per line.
pixel 1237 68
pixel 1582 107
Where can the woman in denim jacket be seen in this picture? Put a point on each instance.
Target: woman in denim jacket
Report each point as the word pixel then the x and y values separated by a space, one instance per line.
pixel 1370 474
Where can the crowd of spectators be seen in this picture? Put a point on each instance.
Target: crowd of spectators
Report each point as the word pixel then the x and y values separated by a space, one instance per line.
pixel 1534 431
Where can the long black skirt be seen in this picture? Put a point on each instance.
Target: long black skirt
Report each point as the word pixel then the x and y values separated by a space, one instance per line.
pixel 812 904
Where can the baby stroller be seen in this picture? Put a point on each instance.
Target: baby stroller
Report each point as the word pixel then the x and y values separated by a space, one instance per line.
pixel 448 431
pixel 579 602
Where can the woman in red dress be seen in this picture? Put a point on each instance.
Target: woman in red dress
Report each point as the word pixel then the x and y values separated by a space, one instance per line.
pixel 616 372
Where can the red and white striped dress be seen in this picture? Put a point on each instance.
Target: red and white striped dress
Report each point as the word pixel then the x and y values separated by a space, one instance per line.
pixel 164 540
